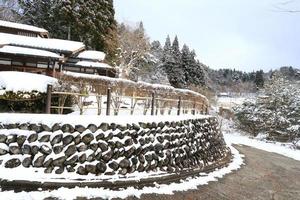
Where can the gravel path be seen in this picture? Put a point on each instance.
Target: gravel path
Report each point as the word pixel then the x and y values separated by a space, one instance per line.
pixel 265 176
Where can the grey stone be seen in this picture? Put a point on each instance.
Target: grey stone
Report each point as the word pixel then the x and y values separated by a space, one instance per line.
pixel 113 165
pixel 91 169
pixel 77 139
pixel 11 139
pixel 56 139
pixel 103 146
pixel 58 149
pixel 34 149
pixel 3 152
pixel 87 138
pixel 70 150
pixel 24 126
pixel 60 170
pixel 14 149
pixel 82 158
pixel 92 127
pixel 3 138
pixel 107 156
pixel 100 136
pixel 68 139
pixel 45 127
pixel 81 170
pixel 56 127
pixel 48 170
pixel 70 169
pixel 91 158
pixel 21 139
pixel 27 162
pixel 94 146
pixel 35 128
pixel 45 138
pixel 12 163
pixel 104 127
pixel 48 162
pixel 128 142
pixel 80 128
pixel 26 149
pixel 45 150
pixel 123 171
pixel 72 160
pixel 101 166
pixel 59 161
pixel 67 128
pixel 39 161
pixel 113 126
pixel 124 163
pixel 82 147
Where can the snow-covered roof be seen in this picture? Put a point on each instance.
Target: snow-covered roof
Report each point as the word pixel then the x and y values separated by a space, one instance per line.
pixel 28 52
pixel 22 27
pixel 24 82
pixel 92 55
pixel 92 64
pixel 42 43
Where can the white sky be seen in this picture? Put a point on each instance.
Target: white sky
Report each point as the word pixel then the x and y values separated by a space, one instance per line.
pixel 242 34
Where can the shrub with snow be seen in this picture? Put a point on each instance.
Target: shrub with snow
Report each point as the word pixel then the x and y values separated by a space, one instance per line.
pixel 275 112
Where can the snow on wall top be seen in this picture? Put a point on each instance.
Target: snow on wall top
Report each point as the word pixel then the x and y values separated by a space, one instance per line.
pixel 51 119
pixel 42 43
pixel 22 27
pixel 24 82
pixel 92 55
pixel 27 51
pixel 93 64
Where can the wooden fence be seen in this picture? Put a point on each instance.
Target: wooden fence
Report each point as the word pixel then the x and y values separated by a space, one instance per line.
pixel 110 103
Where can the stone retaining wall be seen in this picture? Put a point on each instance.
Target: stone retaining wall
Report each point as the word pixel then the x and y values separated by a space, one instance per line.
pixel 111 148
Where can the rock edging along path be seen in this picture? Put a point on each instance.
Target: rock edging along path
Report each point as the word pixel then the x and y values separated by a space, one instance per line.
pixel 100 152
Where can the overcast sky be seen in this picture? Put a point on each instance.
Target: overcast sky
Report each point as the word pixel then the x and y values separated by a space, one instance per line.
pixel 242 34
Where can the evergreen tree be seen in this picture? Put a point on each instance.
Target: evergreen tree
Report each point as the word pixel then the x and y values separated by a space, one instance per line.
pixel 259 79
pixel 176 74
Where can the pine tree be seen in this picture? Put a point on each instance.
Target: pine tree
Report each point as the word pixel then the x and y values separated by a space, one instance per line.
pixel 259 79
pixel 176 73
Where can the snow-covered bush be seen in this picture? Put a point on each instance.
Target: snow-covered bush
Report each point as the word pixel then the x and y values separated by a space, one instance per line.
pixel 275 111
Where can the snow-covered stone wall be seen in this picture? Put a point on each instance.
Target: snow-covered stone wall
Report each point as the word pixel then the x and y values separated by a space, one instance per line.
pixel 110 148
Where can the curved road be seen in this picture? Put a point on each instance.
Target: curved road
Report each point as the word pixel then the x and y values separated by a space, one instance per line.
pixel 265 176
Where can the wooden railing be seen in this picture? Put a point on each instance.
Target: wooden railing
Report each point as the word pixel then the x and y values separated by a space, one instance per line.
pixel 110 94
pixel 112 103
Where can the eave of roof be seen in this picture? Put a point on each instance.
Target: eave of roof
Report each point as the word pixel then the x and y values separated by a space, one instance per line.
pixel 54 45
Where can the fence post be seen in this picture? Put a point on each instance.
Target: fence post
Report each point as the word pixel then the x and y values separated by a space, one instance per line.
pixel 48 99
pixel 152 103
pixel 108 101
pixel 179 106
pixel 194 108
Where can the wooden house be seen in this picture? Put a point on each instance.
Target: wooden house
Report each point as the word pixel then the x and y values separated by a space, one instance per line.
pixel 37 53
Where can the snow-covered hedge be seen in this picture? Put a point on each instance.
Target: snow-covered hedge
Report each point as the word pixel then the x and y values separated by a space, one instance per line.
pixel 23 92
pixel 275 112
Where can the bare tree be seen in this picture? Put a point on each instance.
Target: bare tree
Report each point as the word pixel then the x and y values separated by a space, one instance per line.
pixel 134 46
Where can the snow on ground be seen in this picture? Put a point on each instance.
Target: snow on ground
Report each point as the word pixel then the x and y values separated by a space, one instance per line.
pixel 230 101
pixel 24 82
pixel 233 136
pixel 184 185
